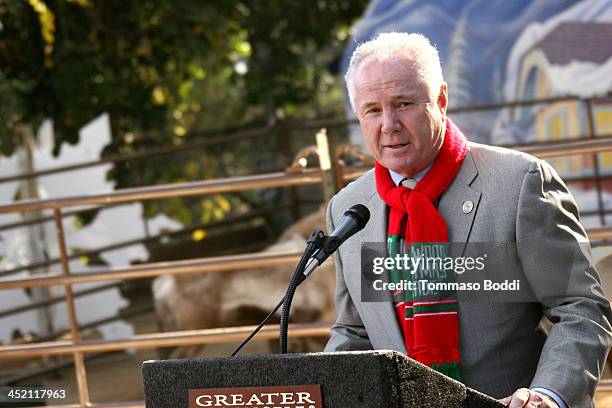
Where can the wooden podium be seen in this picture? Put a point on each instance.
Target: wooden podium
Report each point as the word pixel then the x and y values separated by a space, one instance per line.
pixel 368 379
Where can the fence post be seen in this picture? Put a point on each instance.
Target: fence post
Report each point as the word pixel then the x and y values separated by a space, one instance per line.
pixel 283 135
pixel 596 166
pixel 79 361
pixel 324 153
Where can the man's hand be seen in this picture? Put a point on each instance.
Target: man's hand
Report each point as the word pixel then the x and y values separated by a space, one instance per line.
pixel 524 397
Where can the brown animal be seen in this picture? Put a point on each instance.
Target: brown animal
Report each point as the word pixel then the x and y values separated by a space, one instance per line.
pixel 245 297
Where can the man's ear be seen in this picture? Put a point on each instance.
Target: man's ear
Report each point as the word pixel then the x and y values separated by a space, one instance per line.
pixel 443 99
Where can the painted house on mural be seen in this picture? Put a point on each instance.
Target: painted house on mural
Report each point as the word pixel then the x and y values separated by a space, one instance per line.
pixel 568 61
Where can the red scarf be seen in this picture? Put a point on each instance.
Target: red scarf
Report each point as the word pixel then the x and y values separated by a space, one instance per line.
pixel 429 321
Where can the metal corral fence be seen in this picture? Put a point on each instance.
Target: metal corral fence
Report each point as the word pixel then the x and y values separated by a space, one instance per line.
pixel 295 175
pixel 76 346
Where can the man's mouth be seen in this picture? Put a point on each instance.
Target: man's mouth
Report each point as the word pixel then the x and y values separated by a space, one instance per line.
pixel 396 146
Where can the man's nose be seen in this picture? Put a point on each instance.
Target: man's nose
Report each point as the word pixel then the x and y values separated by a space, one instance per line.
pixel 390 122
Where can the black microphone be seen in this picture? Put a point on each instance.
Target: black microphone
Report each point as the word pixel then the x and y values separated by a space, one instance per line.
pixel 353 220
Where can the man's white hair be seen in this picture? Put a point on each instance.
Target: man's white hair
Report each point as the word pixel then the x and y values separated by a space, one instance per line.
pixel 415 47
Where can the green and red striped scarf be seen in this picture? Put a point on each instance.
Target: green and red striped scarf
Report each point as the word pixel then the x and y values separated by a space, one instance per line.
pixel 428 318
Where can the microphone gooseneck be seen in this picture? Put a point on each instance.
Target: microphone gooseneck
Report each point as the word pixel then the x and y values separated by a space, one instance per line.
pixel 353 220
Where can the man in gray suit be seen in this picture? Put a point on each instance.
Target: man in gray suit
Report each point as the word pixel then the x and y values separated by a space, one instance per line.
pixel 497 195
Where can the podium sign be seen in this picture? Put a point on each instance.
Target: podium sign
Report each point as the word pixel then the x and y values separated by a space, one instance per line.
pixel 295 396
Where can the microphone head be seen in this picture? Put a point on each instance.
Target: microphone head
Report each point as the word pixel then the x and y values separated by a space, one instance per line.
pixel 360 214
pixel 352 221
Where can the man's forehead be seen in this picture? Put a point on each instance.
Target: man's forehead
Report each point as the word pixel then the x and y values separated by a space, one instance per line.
pixel 394 78
pixel 368 100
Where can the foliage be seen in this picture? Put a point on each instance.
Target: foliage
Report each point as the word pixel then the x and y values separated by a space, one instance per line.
pixel 165 71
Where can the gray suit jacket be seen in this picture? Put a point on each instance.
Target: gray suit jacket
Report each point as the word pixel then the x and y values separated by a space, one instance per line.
pixel 517 198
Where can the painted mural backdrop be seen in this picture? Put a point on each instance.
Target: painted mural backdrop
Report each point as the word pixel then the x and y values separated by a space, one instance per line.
pixel 501 51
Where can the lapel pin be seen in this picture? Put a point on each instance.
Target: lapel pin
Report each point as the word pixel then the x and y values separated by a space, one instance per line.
pixel 468 206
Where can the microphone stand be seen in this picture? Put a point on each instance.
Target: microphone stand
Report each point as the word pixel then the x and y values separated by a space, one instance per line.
pixel 324 243
pixel 314 243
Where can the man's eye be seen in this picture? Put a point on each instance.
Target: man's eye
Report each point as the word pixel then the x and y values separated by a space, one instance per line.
pixel 372 110
pixel 407 104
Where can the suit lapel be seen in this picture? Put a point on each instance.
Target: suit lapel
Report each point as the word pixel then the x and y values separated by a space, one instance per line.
pixel 380 316
pixel 455 203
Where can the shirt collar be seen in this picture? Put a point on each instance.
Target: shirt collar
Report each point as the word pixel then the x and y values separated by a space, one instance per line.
pixel 397 178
